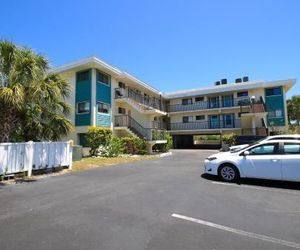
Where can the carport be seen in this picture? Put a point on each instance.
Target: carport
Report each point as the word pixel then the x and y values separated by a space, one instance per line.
pixel 196 141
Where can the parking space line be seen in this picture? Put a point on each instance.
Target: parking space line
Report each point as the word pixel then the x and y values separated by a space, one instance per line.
pixel 256 188
pixel 239 232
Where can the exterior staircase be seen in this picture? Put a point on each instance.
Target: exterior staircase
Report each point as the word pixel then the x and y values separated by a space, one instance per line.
pixel 140 103
pixel 134 127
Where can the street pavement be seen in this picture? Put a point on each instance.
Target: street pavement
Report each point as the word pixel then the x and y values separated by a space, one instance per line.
pixel 163 203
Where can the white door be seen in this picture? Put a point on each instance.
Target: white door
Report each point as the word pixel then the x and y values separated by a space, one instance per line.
pixel 263 161
pixel 291 161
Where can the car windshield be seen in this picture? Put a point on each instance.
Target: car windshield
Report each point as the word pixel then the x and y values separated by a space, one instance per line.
pixel 246 146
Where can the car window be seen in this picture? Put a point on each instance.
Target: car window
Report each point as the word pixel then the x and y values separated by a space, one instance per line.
pixel 291 148
pixel 265 149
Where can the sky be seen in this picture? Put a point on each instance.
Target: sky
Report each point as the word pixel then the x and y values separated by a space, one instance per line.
pixel 170 44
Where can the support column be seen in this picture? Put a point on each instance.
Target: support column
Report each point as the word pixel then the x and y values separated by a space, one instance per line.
pixel 93 99
pixel 253 126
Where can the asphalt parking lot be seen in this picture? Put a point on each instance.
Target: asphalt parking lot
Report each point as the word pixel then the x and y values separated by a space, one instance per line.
pixel 163 203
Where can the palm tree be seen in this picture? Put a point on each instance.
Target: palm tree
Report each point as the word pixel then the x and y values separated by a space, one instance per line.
pixel 32 101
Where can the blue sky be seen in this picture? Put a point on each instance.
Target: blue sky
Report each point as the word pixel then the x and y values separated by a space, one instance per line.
pixel 169 44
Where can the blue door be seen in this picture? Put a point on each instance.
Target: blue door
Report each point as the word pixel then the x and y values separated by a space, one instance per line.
pixel 214 121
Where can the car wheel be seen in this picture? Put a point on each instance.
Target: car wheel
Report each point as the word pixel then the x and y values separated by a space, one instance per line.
pixel 228 173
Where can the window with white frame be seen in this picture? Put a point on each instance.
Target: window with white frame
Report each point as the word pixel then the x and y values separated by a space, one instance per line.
pixel 83 107
pixel 103 107
pixel 278 113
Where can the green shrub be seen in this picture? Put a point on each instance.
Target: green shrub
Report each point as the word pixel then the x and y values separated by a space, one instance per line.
pixel 229 139
pixel 96 137
pixel 166 146
pixel 134 145
pixel 114 148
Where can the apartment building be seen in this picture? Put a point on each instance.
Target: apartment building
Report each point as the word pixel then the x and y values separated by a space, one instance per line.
pixel 246 108
pixel 106 96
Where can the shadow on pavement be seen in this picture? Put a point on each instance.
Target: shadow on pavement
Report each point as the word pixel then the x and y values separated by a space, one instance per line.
pixel 259 182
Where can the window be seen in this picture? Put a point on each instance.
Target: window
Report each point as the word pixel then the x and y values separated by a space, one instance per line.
pixel 214 102
pixel 242 93
pixel 227 100
pixel 83 140
pixel 265 149
pixel 187 101
pixel 200 117
pixel 199 99
pixel 291 148
pixel 273 91
pixel 83 76
pixel 101 77
pixel 228 120
pixel 122 85
pixel 187 119
pixel 122 111
pixel 276 113
pixel 103 107
pixel 83 107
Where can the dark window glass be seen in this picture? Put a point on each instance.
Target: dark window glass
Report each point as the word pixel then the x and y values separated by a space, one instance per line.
pixel 186 119
pixel 83 107
pixel 83 76
pixel 122 111
pixel 200 117
pixel 273 91
pixel 265 149
pixel 199 99
pixel 102 77
pixel 83 140
pixel 214 102
pixel 122 85
pixel 291 148
pixel 103 107
pixel 242 93
pixel 186 101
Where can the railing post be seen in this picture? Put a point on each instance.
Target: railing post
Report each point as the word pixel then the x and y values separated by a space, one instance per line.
pixel 29 156
pixel 70 153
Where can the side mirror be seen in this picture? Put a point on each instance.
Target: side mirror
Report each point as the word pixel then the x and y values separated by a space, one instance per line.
pixel 246 153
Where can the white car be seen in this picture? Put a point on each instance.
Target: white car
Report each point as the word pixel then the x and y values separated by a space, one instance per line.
pixel 269 138
pixel 275 159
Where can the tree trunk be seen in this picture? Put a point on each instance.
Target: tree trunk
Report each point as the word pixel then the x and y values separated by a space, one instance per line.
pixel 8 122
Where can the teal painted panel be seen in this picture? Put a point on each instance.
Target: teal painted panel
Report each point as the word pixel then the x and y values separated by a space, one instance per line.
pixel 103 92
pixel 103 120
pixel 274 103
pixel 83 93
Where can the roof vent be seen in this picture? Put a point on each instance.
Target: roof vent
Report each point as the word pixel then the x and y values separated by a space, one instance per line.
pixel 238 80
pixel 217 83
pixel 245 79
pixel 223 81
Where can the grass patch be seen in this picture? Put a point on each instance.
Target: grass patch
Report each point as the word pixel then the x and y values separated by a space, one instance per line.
pixel 94 162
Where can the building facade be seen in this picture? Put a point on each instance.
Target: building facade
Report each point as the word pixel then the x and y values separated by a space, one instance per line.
pixel 108 97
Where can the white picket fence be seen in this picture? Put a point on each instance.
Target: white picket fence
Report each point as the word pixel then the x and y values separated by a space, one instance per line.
pixel 28 156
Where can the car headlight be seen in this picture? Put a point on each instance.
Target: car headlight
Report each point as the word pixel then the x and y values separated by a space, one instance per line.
pixel 211 158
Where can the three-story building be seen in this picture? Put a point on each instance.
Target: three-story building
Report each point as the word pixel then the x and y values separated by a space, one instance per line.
pixel 106 96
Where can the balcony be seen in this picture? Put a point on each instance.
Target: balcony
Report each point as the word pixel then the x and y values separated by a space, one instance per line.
pixel 221 124
pixel 245 101
pixel 147 101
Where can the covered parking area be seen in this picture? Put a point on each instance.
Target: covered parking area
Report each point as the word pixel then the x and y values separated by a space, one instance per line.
pixel 197 141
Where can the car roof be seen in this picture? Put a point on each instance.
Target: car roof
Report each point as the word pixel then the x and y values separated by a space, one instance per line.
pixel 283 136
pixel 285 140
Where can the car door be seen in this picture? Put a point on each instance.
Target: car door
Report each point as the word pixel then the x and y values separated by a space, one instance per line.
pixel 291 161
pixel 263 161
